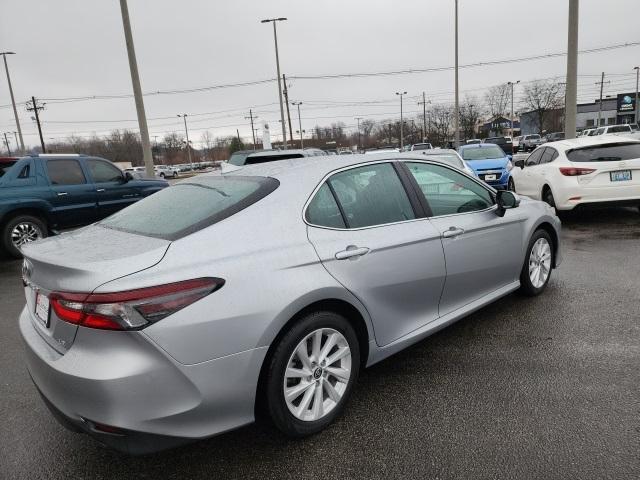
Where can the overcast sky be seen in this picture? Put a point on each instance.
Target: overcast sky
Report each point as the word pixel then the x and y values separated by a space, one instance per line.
pixel 76 48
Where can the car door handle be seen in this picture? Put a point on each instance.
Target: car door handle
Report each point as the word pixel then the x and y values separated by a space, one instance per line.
pixel 351 252
pixel 100 190
pixel 452 232
pixel 62 194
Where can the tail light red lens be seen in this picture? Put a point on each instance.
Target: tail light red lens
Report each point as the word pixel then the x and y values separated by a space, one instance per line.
pixel 575 171
pixel 132 309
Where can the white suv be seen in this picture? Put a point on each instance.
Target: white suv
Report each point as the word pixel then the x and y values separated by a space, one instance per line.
pixel 166 171
pixel 613 129
pixel 587 170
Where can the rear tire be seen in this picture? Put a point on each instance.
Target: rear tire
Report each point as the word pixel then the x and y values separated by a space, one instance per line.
pixel 322 395
pixel 19 230
pixel 538 263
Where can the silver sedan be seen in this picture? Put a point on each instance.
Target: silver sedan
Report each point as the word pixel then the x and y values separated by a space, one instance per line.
pixel 264 290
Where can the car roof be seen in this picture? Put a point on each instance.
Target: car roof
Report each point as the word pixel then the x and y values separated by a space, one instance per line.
pixel 275 153
pixel 571 143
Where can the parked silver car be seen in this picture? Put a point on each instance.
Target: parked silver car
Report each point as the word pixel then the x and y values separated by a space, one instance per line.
pixel 265 290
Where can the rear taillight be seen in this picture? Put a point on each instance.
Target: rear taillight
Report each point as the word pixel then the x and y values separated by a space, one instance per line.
pixel 132 309
pixel 575 171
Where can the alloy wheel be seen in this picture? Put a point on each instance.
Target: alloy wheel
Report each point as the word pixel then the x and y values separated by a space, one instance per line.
pixel 25 232
pixel 540 262
pixel 317 374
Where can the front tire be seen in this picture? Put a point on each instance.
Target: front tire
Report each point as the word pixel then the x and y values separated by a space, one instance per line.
pixel 511 186
pixel 20 230
pixel 538 263
pixel 311 374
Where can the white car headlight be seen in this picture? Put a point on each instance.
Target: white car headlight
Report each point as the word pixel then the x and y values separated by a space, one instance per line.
pixel 509 166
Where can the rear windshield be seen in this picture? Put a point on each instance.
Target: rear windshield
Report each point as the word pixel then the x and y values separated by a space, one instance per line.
pixel 496 140
pixel 422 146
pixel 271 158
pixel 612 152
pixel 483 153
pixel 185 208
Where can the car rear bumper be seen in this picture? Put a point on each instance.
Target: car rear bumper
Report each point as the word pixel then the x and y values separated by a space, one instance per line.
pixel 126 392
pixel 605 196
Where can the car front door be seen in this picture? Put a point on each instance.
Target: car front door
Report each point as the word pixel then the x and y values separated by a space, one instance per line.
pixel 537 172
pixel 113 191
pixel 483 251
pixel 363 226
pixel 73 197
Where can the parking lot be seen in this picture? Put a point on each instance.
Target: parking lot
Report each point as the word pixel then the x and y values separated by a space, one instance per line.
pixel 525 388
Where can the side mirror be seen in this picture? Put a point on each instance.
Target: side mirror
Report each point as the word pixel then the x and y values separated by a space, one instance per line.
pixel 506 200
pixel 127 177
pixel 519 163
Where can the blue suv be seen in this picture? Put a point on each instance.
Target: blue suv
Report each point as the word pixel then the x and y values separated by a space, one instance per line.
pixel 489 162
pixel 43 193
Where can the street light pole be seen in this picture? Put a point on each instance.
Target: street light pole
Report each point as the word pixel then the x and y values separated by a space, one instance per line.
pixel 186 131
pixel 401 94
pixel 571 87
pixel 275 39
pixel 13 100
pixel 637 69
pixel 297 104
pixel 511 84
pixel 137 91
pixel 456 113
pixel 359 138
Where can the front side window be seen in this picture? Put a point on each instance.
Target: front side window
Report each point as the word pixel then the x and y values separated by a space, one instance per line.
pixel 65 172
pixel 448 158
pixel 185 208
pixel 102 171
pixel 549 155
pixel 535 157
pixel 449 192
pixel 323 210
pixel 371 195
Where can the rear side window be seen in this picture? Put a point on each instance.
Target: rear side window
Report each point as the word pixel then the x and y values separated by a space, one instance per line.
pixel 605 153
pixel 65 172
pixel 185 208
pixel 323 210
pixel 102 171
pixel 371 195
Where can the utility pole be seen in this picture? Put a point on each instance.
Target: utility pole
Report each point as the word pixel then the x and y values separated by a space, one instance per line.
pixel 359 141
pixel 571 87
pixel 6 141
pixel 137 91
pixel 13 100
pixel 286 101
pixel 238 134
pixel 456 113
pixel 424 116
pixel 637 69
pixel 601 83
pixel 15 134
pixel 511 84
pixel 253 132
pixel 275 39
pixel 33 106
pixel 297 104
pixel 401 94
pixel 186 131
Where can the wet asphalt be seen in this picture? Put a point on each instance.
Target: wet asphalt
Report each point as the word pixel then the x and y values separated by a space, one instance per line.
pixel 523 389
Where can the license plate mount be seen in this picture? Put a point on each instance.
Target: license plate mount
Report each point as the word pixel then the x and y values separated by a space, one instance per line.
pixel 42 309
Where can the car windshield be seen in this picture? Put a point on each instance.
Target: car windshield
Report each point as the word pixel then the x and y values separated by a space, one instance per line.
pixel 238 158
pixel 422 146
pixel 5 167
pixel 482 153
pixel 185 208
pixel 534 137
pixel 613 152
pixel 448 158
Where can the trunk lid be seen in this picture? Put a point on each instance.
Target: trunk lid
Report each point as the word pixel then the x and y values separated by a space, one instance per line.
pixel 80 261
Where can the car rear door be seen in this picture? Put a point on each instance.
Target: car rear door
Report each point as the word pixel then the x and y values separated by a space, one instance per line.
pixel 73 196
pixel 112 190
pixel 363 224
pixel 483 251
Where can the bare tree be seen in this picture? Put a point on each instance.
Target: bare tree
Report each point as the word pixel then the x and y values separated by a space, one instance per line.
pixel 208 141
pixel 543 97
pixel 497 99
pixel 469 116
pixel 441 118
